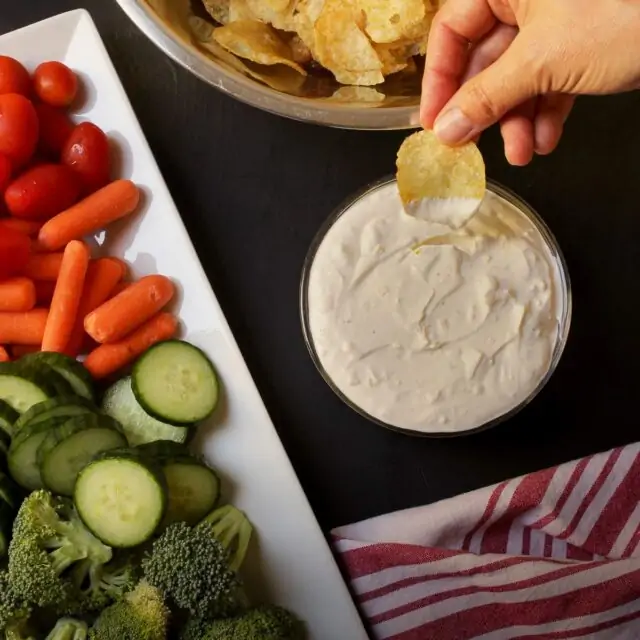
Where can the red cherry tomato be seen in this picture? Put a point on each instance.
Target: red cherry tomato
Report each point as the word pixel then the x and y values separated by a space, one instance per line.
pixel 55 84
pixel 14 78
pixel 55 129
pixel 5 172
pixel 87 153
pixel 15 249
pixel 42 192
pixel 18 128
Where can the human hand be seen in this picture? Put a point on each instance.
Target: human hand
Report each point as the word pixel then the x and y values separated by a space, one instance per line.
pixel 521 63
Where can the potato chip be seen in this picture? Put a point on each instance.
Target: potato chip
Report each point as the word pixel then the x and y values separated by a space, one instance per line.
pixel 440 183
pixel 363 95
pixel 393 58
pixel 393 20
pixel 239 10
pixel 299 50
pixel 307 14
pixel 361 42
pixel 200 28
pixel 342 47
pixel 277 77
pixel 278 13
pixel 257 42
pixel 218 10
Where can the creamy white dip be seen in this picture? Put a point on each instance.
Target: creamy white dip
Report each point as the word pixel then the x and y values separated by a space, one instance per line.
pixel 431 328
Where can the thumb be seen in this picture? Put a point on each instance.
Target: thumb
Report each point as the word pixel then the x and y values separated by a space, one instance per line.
pixel 485 98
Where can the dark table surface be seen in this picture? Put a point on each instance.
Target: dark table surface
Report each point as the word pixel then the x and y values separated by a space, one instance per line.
pixel 253 189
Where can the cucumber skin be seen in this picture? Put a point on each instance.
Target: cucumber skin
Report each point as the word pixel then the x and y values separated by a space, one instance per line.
pixel 154 469
pixel 60 363
pixel 8 417
pixel 61 432
pixel 136 392
pixel 50 444
pixel 36 378
pixel 16 445
pixel 50 405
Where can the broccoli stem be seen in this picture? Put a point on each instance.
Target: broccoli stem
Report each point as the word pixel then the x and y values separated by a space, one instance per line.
pixel 233 530
pixel 69 629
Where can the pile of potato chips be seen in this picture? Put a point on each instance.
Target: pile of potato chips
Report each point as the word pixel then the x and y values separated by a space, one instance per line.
pixel 361 42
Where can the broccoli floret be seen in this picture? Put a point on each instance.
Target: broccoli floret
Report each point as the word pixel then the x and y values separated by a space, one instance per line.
pixel 69 629
pixel 267 622
pixel 140 615
pixel 48 542
pixel 96 587
pixel 190 566
pixel 12 606
pixel 233 529
pixel 19 630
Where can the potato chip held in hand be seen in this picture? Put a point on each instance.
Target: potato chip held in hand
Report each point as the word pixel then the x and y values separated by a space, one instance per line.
pixel 438 183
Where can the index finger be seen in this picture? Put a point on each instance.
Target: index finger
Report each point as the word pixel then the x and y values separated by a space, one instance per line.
pixel 457 25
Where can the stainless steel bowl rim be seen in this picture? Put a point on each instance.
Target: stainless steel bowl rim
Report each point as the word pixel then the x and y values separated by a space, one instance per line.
pixel 253 93
pixel 564 321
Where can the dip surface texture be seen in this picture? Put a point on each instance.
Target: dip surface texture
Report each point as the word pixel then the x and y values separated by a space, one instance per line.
pixel 431 328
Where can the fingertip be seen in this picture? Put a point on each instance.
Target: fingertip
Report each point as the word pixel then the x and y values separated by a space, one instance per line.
pixel 549 122
pixel 548 131
pixel 518 135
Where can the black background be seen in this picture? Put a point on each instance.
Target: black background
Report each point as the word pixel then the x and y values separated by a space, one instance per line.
pixel 253 189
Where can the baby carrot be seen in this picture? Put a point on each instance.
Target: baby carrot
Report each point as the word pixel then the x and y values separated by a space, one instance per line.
pixel 44 266
pixel 102 276
pixel 66 297
pixel 28 227
pixel 119 288
pixel 19 350
pixel 119 316
pixel 109 358
pixel 44 292
pixel 4 356
pixel 23 327
pixel 123 264
pixel 17 294
pixel 95 212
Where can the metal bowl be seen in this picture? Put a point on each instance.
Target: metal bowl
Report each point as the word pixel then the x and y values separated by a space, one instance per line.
pixel 179 29
pixel 564 307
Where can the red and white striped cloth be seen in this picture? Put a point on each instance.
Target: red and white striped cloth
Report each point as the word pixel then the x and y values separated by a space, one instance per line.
pixel 553 554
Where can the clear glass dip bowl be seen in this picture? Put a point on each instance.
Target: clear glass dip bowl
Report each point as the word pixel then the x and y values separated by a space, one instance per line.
pixel 564 305
pixel 177 27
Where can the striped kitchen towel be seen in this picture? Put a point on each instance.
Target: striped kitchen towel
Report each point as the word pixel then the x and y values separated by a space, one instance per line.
pixel 553 554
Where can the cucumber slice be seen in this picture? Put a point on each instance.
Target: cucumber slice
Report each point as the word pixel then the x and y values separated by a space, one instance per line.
pixel 121 498
pixel 53 408
pixel 23 456
pixel 139 427
pixel 163 450
pixel 175 382
pixel 70 447
pixel 8 417
pixel 193 487
pixel 71 370
pixel 62 387
pixel 22 387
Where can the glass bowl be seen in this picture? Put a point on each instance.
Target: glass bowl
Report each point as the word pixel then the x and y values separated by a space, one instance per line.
pixel 180 30
pixel 564 305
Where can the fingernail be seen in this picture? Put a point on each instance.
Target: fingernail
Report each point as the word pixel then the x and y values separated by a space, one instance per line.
pixel 453 126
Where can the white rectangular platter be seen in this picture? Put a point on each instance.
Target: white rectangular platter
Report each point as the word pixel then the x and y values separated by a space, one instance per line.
pixel 291 562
